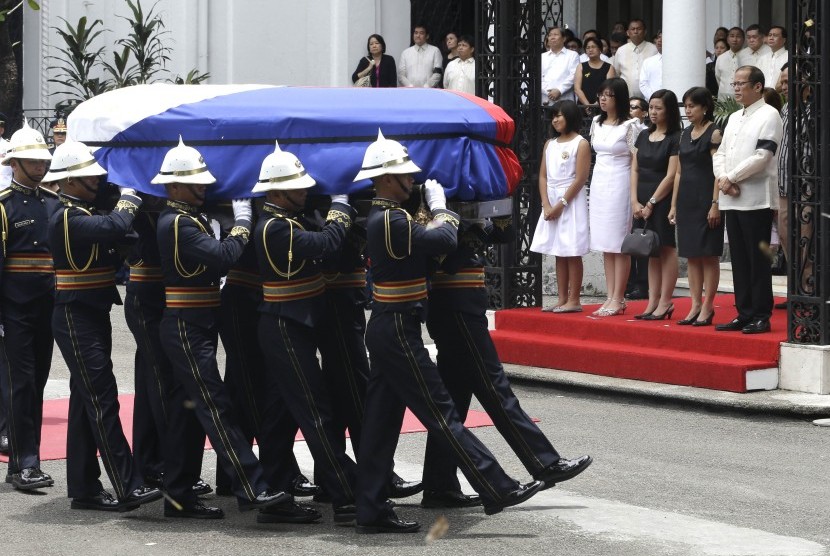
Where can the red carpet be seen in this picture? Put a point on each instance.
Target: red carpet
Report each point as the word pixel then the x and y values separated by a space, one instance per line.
pixel 55 412
pixel 655 351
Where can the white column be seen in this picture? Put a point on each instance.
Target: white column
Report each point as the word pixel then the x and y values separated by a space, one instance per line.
pixel 684 45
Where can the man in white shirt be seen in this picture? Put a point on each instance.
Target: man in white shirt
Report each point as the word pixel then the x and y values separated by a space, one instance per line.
pixel 745 170
pixel 460 74
pixel 629 57
pixel 421 64
pixel 651 72
pixel 558 69
pixel 728 62
pixel 755 47
pixel 772 61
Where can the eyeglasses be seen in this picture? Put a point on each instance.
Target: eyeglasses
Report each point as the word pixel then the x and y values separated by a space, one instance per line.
pixel 607 95
pixel 738 84
pixel 635 107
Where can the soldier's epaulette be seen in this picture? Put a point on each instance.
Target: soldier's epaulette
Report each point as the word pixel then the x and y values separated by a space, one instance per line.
pixel 48 192
pixel 5 193
pixel 339 216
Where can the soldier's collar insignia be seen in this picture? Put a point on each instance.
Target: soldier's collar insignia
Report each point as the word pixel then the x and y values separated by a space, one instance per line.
pixel 184 207
pixel 23 189
pixel 274 210
pixel 385 203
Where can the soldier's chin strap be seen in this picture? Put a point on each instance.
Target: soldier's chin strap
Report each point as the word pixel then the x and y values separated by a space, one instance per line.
pixel 402 184
pixel 91 190
pixel 297 206
pixel 193 191
pixel 29 176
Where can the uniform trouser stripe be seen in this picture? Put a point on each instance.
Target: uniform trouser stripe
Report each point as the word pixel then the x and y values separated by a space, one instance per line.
pixel 355 391
pixel 313 410
pixel 148 353
pixel 97 412
pixel 243 376
pixel 463 457
pixel 222 435
pixel 509 429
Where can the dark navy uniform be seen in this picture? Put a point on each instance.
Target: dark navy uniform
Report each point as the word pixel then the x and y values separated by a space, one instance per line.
pixel 294 304
pixel 162 423
pixel 27 291
pixel 341 336
pixel 402 374
pixel 192 260
pixel 82 243
pixel 259 415
pixel 467 359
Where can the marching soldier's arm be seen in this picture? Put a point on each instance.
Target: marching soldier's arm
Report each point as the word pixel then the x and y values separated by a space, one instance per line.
pixel 326 243
pixel 95 227
pixel 196 247
pixel 438 237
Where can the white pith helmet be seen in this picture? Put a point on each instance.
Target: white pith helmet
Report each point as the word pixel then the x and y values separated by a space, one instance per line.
pixel 385 156
pixel 183 164
pixel 27 143
pixel 72 159
pixel 282 171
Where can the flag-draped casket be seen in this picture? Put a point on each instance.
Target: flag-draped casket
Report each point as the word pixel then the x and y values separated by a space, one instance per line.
pixel 458 139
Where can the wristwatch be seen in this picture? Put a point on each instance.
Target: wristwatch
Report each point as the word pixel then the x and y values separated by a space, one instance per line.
pixel 652 201
pixel 564 201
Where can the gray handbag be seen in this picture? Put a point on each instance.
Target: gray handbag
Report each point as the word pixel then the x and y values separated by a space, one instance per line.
pixel 641 242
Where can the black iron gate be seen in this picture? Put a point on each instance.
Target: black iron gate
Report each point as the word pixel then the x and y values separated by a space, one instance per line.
pixel 809 170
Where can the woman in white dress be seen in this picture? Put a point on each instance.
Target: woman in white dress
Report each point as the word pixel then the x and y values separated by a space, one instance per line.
pixel 612 136
pixel 562 230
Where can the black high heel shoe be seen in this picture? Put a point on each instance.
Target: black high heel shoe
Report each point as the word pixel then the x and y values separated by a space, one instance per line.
pixel 666 314
pixel 690 320
pixel 644 316
pixel 707 322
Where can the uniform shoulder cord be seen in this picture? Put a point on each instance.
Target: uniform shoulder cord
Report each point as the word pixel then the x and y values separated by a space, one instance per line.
pixel 5 226
pixel 281 274
pixel 388 234
pixel 68 248
pixel 176 260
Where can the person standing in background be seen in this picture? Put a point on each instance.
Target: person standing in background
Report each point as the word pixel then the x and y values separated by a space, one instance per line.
pixel 460 74
pixel 421 65
pixel 379 66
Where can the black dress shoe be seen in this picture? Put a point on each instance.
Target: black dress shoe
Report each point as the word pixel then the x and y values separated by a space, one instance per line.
pixel 4 444
pixel 202 488
pixel 757 326
pixel 404 489
pixel 345 514
pixel 389 524
pixel 512 498
pixel 448 499
pixel 142 495
pixel 102 502
pixel 263 500
pixel 288 512
pixel 196 510
pixel 31 478
pixel 301 487
pixel 563 470
pixel 733 326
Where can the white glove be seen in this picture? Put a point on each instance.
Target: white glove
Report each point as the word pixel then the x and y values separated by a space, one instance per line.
pixel 343 199
pixel 242 209
pixel 126 191
pixel 435 195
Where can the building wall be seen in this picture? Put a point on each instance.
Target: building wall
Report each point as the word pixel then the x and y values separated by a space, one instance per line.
pixel 315 42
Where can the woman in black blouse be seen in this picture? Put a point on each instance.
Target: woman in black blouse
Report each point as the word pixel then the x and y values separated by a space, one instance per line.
pixel 590 75
pixel 379 66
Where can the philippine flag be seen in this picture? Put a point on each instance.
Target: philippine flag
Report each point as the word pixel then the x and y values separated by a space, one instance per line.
pixel 458 139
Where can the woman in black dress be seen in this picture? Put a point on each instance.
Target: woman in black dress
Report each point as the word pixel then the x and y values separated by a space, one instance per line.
pixel 652 179
pixel 379 66
pixel 590 75
pixel 695 205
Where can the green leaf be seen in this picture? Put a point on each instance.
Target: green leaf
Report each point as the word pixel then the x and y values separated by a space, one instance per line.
pixel 34 5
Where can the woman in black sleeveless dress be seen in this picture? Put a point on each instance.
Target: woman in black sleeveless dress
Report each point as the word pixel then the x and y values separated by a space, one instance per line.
pixel 652 182
pixel 695 205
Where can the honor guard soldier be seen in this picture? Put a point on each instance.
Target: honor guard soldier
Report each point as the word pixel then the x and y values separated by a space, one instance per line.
pixel 83 249
pixel 402 374
pixel 342 344
pixel 162 424
pixel 468 364
pixel 293 304
pixel 257 413
pixel 27 286
pixel 192 261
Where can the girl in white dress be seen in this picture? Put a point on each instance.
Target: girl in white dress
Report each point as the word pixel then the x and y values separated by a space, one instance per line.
pixel 612 137
pixel 562 229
